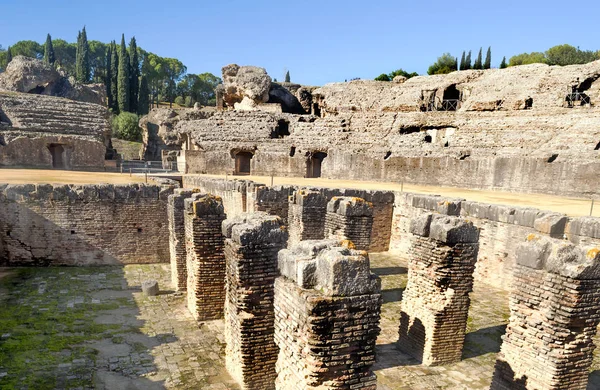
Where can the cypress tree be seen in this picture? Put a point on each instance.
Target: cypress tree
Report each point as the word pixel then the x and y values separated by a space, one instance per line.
pixel 124 90
pixel 468 61
pixel 503 63
pixel 82 62
pixel 114 77
pixel 49 56
pixel 134 75
pixel 488 59
pixel 143 106
pixel 108 80
pixel 8 56
pixel 462 61
pixel 479 61
pixel 287 77
pixel 78 56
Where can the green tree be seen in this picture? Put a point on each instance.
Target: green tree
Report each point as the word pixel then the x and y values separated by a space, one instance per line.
pixel 444 64
pixel 126 126
pixel 203 89
pixel 29 49
pixel 569 55
pixel 463 60
pixel 402 72
pixel 174 70
pixel 98 52
pixel 9 56
pixel 143 105
pixel 82 65
pixel 479 61
pixel 503 63
pixel 488 59
pixel 49 56
pixel 134 75
pixel 383 77
pixel 66 54
pixel 468 61
pixel 108 79
pixel 287 77
pixel 527 58
pixel 114 78
pixel 123 79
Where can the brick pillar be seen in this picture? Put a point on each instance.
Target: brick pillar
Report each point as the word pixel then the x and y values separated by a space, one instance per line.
pixel 306 216
pixel 349 218
pixel 251 247
pixel 327 309
pixel 554 315
pixel 177 238
pixel 435 304
pixel 204 216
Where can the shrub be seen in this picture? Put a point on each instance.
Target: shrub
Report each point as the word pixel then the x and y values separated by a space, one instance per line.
pixel 125 126
pixel 179 100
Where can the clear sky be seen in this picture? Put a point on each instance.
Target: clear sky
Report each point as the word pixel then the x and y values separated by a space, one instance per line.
pixel 317 41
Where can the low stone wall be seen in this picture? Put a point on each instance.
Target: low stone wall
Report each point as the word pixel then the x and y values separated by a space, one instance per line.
pixel 306 218
pixel 42 225
pixel 246 196
pixel 177 244
pixel 349 218
pixel 501 227
pixel 554 315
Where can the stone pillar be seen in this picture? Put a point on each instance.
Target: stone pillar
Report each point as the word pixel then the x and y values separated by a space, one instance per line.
pixel 327 309
pixel 204 216
pixel 306 216
pixel 349 218
pixel 554 315
pixel 177 238
pixel 251 247
pixel 435 304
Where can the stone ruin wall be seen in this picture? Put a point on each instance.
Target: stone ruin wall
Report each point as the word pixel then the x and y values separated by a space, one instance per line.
pixel 46 225
pixel 374 130
pixel 246 196
pixel 500 226
pixel 29 124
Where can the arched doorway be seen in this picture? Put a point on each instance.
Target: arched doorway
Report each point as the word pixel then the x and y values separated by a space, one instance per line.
pixel 314 163
pixel 59 156
pixel 242 163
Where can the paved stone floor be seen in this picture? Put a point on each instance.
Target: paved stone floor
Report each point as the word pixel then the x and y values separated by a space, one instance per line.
pixel 91 328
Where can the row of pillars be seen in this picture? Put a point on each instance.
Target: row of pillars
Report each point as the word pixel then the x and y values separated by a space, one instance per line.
pixel 302 311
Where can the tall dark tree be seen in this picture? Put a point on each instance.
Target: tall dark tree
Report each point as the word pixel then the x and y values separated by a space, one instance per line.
pixel 468 61
pixel 463 61
pixel 49 56
pixel 123 79
pixel 82 65
pixel 134 75
pixel 8 56
pixel 114 78
pixel 503 63
pixel 143 105
pixel 488 59
pixel 108 79
pixel 479 61
pixel 287 77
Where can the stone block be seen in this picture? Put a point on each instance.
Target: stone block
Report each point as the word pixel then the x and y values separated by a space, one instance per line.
pixel 350 206
pixel 453 230
pixel 150 288
pixel 345 272
pixel 420 225
pixel 551 224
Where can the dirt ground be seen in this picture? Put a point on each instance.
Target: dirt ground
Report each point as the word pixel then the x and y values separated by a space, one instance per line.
pixel 571 206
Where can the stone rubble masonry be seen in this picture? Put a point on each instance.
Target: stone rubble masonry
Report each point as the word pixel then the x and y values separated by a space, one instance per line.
pixel 350 218
pixel 306 218
pixel 327 311
pixel 177 238
pixel 73 225
pixel 205 260
pixel 435 304
pixel 251 247
pixel 555 312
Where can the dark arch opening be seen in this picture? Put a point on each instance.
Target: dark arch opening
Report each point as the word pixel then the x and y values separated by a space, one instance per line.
pixel 316 109
pixel 528 103
pixel 37 90
pixel 451 93
pixel 58 154
pixel 597 146
pixel 314 164
pixel 243 163
pixel 427 139
pixel 292 151
pixel 281 130
pixel 387 155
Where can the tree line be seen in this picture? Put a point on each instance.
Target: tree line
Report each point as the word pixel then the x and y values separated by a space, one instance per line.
pixel 556 55
pixel 130 74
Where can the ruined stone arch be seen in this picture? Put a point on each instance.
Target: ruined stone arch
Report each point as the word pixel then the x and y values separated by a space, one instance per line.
pixel 314 163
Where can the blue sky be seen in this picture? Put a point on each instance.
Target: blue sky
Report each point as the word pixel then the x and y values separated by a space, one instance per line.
pixel 317 41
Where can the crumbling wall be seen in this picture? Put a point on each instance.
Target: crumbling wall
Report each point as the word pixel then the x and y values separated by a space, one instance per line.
pixel 251 247
pixel 555 312
pixel 177 233
pixel 306 218
pixel 205 262
pixel 327 309
pixel 435 304
pixel 84 225
pixel 349 218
